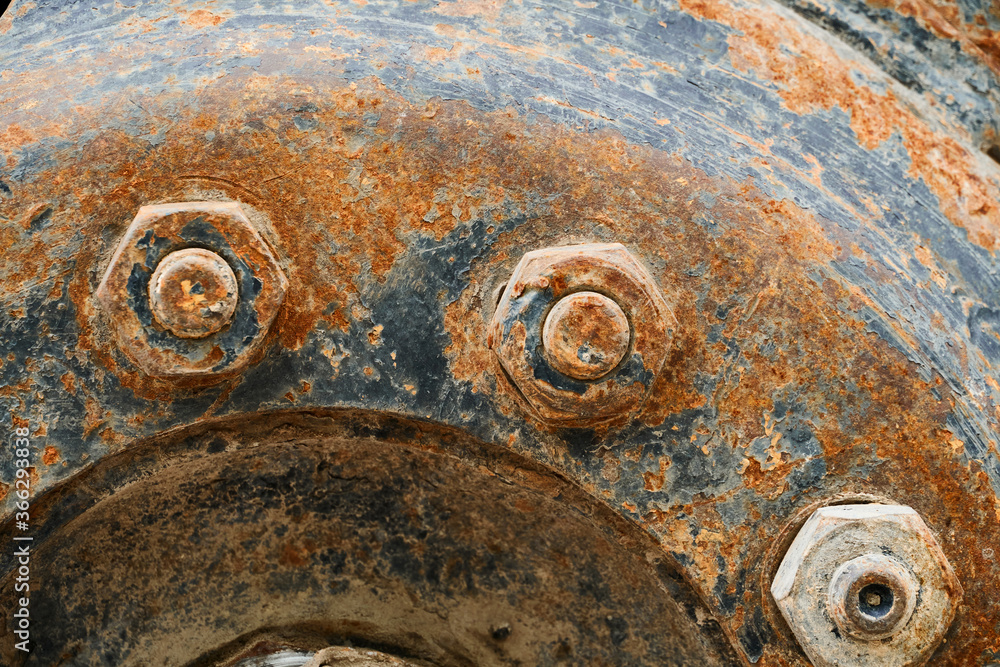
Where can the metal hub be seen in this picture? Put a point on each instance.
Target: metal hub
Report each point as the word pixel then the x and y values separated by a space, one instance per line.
pixel 355 529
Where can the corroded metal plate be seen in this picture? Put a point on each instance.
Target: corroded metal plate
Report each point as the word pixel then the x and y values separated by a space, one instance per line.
pixel 810 185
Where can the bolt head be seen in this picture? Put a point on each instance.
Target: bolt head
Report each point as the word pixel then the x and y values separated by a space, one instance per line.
pixel 866 584
pixel 191 291
pixel 581 331
pixel 585 335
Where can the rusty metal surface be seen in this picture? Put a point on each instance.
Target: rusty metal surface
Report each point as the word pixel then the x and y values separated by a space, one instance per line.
pixel 823 224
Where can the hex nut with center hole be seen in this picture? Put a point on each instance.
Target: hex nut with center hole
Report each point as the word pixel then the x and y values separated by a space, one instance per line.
pixel 866 585
pixel 581 332
pixel 872 597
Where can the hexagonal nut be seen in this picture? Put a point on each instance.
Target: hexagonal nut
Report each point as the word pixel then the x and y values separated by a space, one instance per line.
pixel 174 347
pixel 867 585
pixel 581 331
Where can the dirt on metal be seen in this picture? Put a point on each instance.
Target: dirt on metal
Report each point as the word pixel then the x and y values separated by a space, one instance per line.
pixel 824 238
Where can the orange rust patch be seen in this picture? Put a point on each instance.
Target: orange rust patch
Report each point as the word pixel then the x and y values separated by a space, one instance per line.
pixel 50 456
pixel 93 418
pixel 925 257
pixel 654 481
pixel 705 547
pixel 69 383
pixel 201 18
pixel 14 137
pixel 769 483
pixel 433 54
pixel 17 11
pixel 23 8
